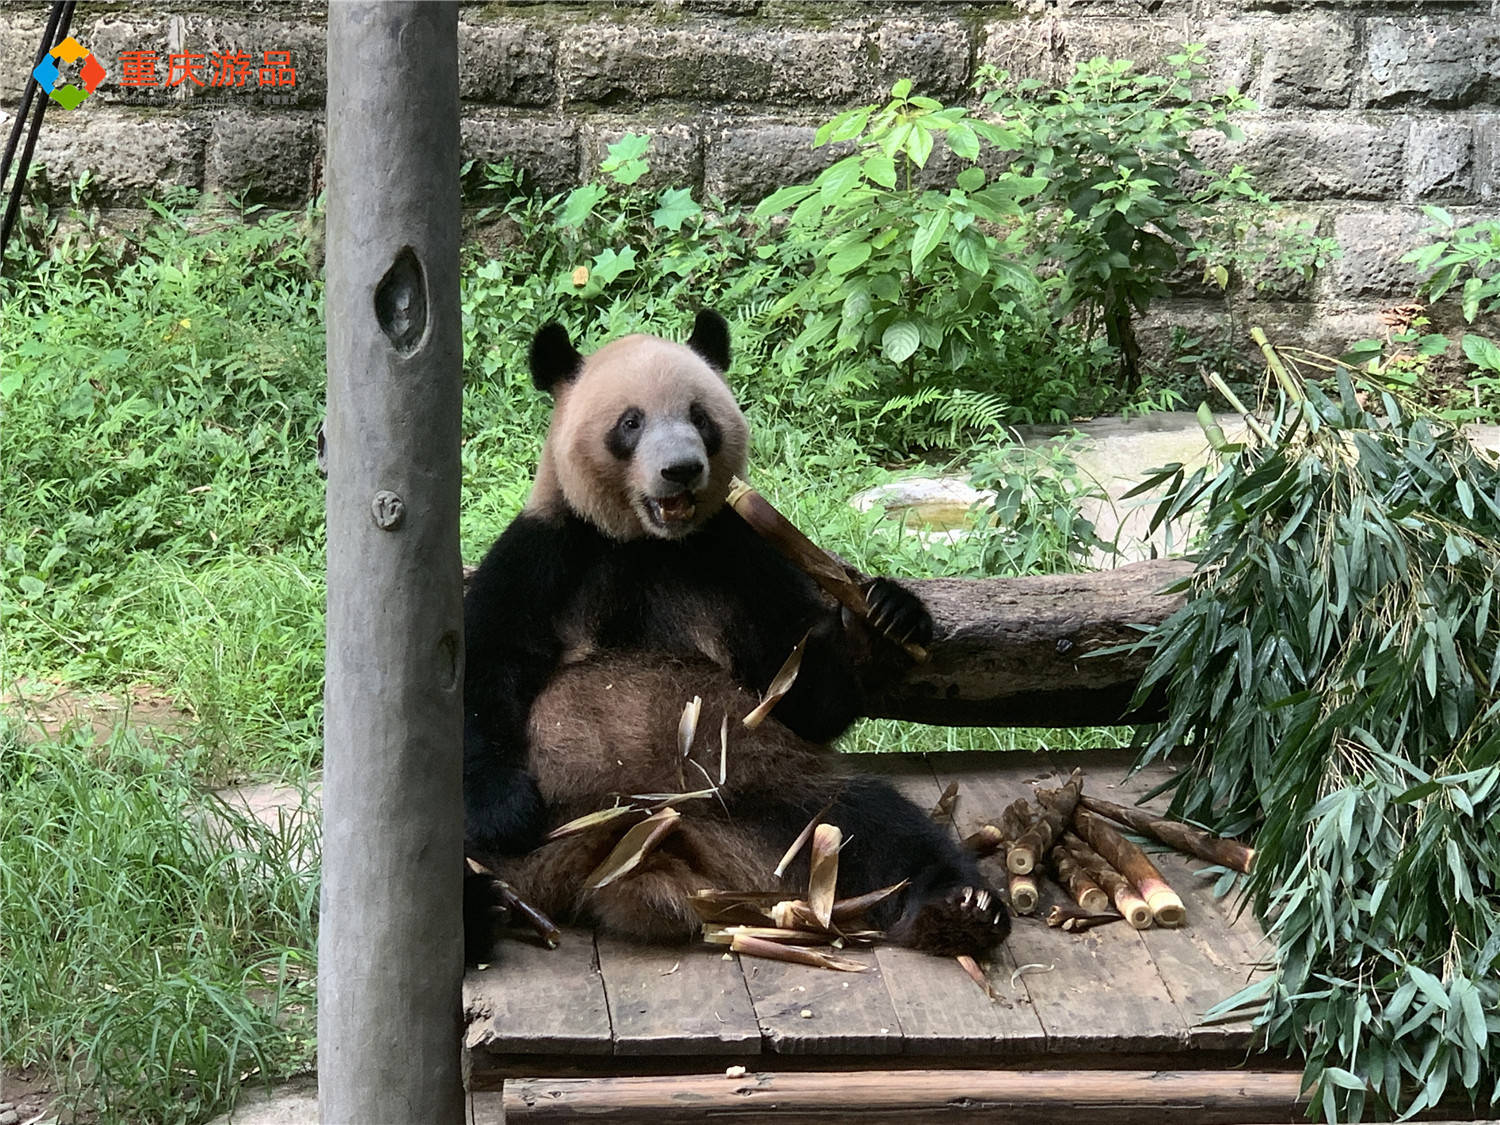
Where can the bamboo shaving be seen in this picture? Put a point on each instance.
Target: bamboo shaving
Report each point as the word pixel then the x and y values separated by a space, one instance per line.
pixel 724 749
pixel 781 683
pixel 823 874
pixel 592 820
pixel 687 726
pixel 801 841
pixel 976 974
pixel 796 955
pixel 633 847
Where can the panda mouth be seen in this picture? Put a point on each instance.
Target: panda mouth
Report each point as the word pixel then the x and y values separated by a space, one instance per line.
pixel 671 512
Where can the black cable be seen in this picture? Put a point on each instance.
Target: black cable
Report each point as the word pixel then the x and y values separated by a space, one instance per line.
pixel 59 20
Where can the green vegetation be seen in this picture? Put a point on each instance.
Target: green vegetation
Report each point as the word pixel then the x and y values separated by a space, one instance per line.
pixel 1335 684
pixel 162 389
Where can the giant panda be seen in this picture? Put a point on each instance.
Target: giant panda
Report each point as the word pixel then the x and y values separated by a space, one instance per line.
pixel 624 588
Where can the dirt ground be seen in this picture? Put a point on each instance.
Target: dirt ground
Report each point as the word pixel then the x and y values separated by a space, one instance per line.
pixel 27 1098
pixel 48 707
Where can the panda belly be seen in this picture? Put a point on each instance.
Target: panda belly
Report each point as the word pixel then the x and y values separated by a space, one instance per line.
pixel 608 727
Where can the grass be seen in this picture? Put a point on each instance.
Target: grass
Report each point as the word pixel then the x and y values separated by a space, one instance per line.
pixel 163 524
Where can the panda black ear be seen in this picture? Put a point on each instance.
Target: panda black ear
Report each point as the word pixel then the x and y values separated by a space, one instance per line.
pixel 710 339
pixel 554 359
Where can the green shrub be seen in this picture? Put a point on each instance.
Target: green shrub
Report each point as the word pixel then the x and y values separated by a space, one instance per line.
pixel 1334 683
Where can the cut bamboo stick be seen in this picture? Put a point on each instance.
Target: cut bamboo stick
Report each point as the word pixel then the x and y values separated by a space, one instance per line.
pixel 1183 837
pixel 1056 810
pixel 1088 894
pixel 987 839
pixel 1131 862
pixel 804 554
pixel 1126 900
pixel 1023 893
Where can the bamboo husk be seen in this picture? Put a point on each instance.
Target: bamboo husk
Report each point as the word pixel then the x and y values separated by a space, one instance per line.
pixel 1122 893
pixel 823 873
pixel 1023 893
pixel 1130 861
pixel 1088 894
pixel 780 684
pixel 804 554
pixel 942 812
pixel 633 847
pixel 796 954
pixel 1183 837
pixel 976 974
pixel 1056 809
pixel 1074 920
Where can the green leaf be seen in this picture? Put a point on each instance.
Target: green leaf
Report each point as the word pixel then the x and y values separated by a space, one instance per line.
pixel 901 89
pixel 964 143
pixel 609 264
pixel 31 587
pixel 849 258
pixel 971 179
pixel 970 251
pixel 783 198
pixel 836 180
pixel 919 144
pixel 579 205
pixel 900 340
pixel 676 206
pixel 880 169
pixel 926 237
pixel 1482 353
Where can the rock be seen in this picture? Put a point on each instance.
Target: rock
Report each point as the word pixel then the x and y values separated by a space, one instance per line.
pixel 940 504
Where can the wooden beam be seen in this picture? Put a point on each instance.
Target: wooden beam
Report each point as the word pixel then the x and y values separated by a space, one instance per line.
pixel 1022 651
pixel 390 960
pixel 1100 1097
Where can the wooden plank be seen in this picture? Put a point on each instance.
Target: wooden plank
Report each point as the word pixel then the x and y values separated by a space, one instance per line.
pixel 676 1000
pixel 1216 953
pixel 1101 1097
pixel 1093 992
pixel 848 1013
pixel 942 1011
pixel 534 1000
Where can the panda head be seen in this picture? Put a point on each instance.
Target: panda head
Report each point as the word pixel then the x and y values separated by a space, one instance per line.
pixel 645 434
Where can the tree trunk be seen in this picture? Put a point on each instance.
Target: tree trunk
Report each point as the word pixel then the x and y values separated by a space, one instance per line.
pixel 390 963
pixel 1018 651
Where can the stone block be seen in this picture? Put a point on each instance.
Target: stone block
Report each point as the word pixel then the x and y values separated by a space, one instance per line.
pixel 1309 63
pixel 107 36
pixel 545 149
pixel 1440 160
pixel 206 35
pixel 747 160
pixel 628 64
pixel 1487 157
pixel 1335 159
pixel 1051 50
pixel 273 156
pixel 130 157
pixel 933 54
pixel 1373 243
pixel 675 156
pixel 1431 61
pixel 1234 49
pixel 508 63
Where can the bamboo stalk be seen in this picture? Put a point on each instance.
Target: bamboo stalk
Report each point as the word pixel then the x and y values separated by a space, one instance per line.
pixel 1183 837
pixel 1130 861
pixel 1127 901
pixel 1056 809
pixel 1075 880
pixel 987 839
pixel 804 554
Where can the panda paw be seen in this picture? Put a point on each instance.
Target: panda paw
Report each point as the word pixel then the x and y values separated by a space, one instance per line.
pixel 965 920
pixel 897 614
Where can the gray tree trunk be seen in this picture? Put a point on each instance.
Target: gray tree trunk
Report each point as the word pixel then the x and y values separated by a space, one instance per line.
pixel 390 958
pixel 1030 651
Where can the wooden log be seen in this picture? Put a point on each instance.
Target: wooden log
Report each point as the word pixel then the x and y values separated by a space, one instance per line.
pixel 1131 862
pixel 1019 651
pixel 1176 835
pixel 915 1097
pixel 390 963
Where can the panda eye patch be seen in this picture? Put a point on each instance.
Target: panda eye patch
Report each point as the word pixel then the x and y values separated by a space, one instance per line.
pixel 707 428
pixel 625 434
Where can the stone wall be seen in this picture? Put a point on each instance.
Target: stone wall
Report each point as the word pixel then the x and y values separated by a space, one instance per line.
pixel 1369 109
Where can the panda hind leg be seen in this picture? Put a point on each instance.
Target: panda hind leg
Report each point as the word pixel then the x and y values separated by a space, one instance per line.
pixel 652 902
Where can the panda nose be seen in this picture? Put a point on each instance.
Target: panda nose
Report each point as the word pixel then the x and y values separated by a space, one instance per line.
pixel 683 472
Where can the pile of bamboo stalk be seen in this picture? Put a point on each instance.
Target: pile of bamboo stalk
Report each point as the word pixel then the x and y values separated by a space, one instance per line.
pixel 1079 839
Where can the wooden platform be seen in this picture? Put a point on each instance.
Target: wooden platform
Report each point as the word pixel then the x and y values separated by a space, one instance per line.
pixel 1111 999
